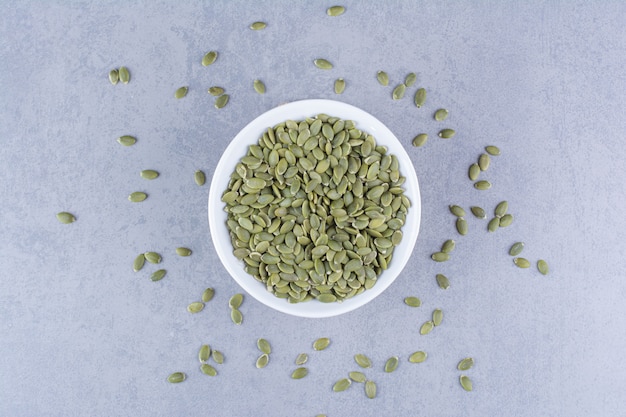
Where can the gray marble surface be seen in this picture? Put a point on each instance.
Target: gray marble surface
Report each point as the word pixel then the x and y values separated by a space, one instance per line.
pixel 82 334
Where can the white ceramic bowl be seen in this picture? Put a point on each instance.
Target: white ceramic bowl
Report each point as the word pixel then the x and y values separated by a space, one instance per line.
pixel 250 134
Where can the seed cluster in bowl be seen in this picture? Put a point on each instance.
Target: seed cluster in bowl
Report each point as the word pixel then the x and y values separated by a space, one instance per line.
pixel 315 209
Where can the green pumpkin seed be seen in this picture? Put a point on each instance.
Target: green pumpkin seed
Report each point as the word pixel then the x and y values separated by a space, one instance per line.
pixel 437 317
pixel 457 210
pixel 410 79
pixel 465 364
pixel 235 301
pixel 448 246
pixel 65 217
pixel 501 208
pixel 199 177
pixel 217 356
pixel 461 226
pixel 340 85
pixel 149 174
pixel 204 353
pixel 516 249
pixel 259 87
pixel 236 316
pixel 322 63
pixel 542 266
pixel 262 361
pixel 440 256
pixel 420 97
pixel 209 58
pixel 506 220
pixel 208 294
pixel 302 358
pixel 299 373
pixel 521 262
pixel 478 212
pixel 181 92
pixel 258 25
pixel 441 115
pixel 208 369
pixel 221 101
pixel 412 301
pixel 398 92
pixel 127 140
pixel 176 377
pixel 391 364
pixel 326 298
pixel 418 357
pixel 139 262
pixel 482 185
pixel 183 251
pixel 357 376
pixel 158 275
pixel 137 197
pixel 474 171
pixel 321 343
pixel 382 78
pixel 466 383
pixel 195 307
pixel 264 346
pixel 335 11
pixel 362 360
pixel 152 257
pixel 420 140
pixel 443 281
pixel 216 91
pixel 493 224
pixel 492 150
pixel 446 133
pixel 342 385
pixel 427 327
pixel 124 75
pixel 370 389
pixel 114 76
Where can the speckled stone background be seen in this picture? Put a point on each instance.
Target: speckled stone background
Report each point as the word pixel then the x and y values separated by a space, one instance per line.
pixel 81 334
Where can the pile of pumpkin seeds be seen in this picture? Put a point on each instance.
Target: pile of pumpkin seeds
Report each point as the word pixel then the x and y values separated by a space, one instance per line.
pixel 315 209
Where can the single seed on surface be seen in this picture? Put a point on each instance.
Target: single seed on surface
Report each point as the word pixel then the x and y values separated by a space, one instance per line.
pixel 542 266
pixel 516 249
pixel 478 212
pixel 199 177
pixel 149 174
pixel 412 301
pixel 152 257
pixel 195 307
pixel 124 75
pixel 127 140
pixel 342 385
pixel 221 101
pixel 466 383
pixel 483 162
pixel 262 361
pixel 370 389
pixel 426 327
pixel 482 185
pixel 209 58
pixel 258 25
pixel 65 217
pixel 398 92
pixel 440 256
pixel 299 373
pixel 521 262
pixel 448 246
pixel 114 76
pixel 137 197
pixel 235 301
pixel 181 92
pixel 420 97
pixel 437 317
pixel 410 79
pixel 441 115
pixel 474 172
pixel 382 78
pixel 208 294
pixel 461 226
pixel 321 343
pixel 335 10
pixel 204 353
pixel 506 220
pixel 418 357
pixel 176 377
pixel 446 133
pixel 420 140
pixel 139 262
pixel 218 357
pixel 236 316
pixel 264 346
pixel 458 211
pixel 501 208
pixel 216 91
pixel 492 150
pixel 259 87
pixel 362 360
pixel 443 281
pixel 493 224
pixel 391 364
pixel 208 369
pixel 302 358
pixel 183 251
pixel 340 85
pixel 158 275
pixel 322 63
pixel 465 364
pixel 357 376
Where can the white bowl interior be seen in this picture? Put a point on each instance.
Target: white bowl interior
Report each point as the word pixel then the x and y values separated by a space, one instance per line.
pixel 249 135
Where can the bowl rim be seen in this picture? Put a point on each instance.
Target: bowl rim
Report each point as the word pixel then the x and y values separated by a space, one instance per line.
pixel 298 110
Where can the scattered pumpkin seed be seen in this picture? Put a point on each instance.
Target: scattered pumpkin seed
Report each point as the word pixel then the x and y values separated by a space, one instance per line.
pixel 195 307
pixel 299 373
pixel 482 185
pixel 302 358
pixel 183 251
pixel 542 266
pixel 448 246
pixel 474 172
pixel 418 357
pixel 221 101
pixel 149 174
pixel 127 140
pixel 465 364
pixel 492 150
pixel 340 85
pixel 420 97
pixel 235 301
pixel 410 79
pixel 124 75
pixel 209 58
pixel 478 212
pixel 483 162
pixel 412 301
pixel 521 262
pixel 176 377
pixel 199 177
pixel 236 316
pixel 137 197
pixel 493 224
pixel 217 356
pixel 204 353
pixel 208 369
pixel 264 346
pixel 216 91
pixel 335 10
pixel 114 76
pixel 259 87
pixel 516 249
pixel 458 211
pixel 321 343
pixel 441 115
pixel 437 316
pixel 139 262
pixel 208 294
pixel 258 25
pixel 362 360
pixel 152 257
pixel 427 327
pixel 322 63
pixel 506 220
pixel 461 226
pixel 158 275
pixel 501 208
pixel 391 364
pixel 466 383
pixel 65 217
pixel 370 389
pixel 382 78
pixel 342 385
pixel 181 92
pixel 357 376
pixel 398 92
pixel 443 281
pixel 420 140
pixel 446 133
pixel 440 256
pixel 262 361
